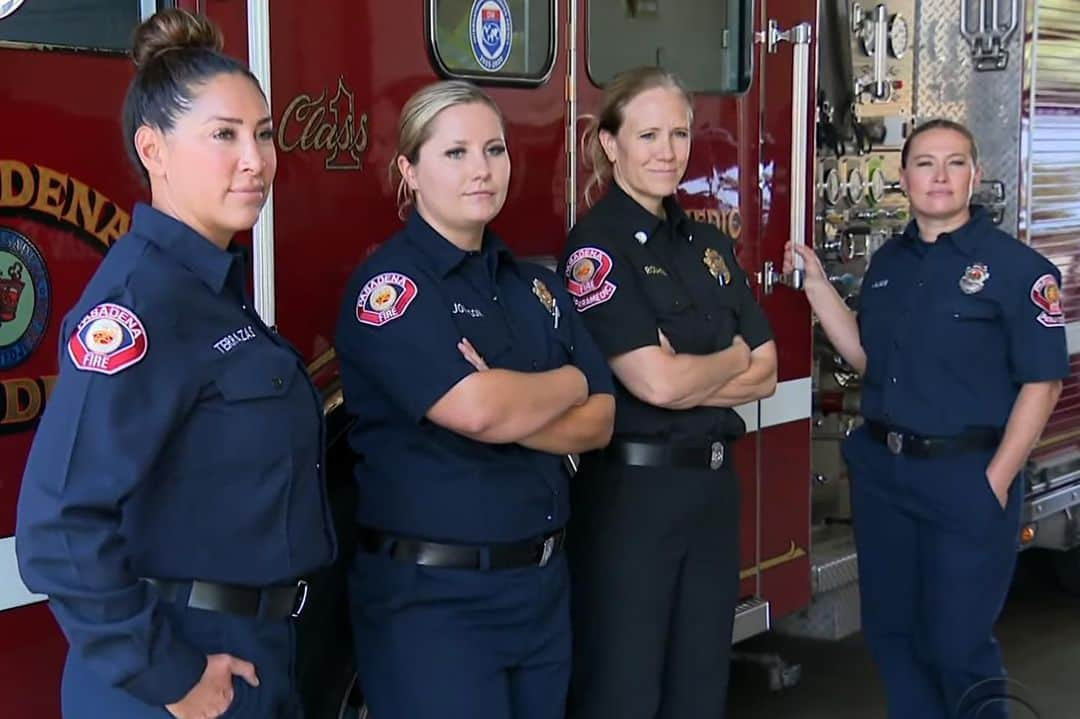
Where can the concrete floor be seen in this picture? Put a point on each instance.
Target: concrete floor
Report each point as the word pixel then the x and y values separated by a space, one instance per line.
pixel 1039 631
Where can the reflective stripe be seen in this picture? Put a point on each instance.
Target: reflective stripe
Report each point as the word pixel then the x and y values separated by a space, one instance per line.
pixel 262 233
pixel 791 402
pixel 13 593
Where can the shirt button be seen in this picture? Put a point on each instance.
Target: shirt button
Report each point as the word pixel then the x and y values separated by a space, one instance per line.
pixel 243 307
pixel 893 380
pixel 534 364
pixel 278 382
pixel 318 466
pixel 494 298
pixel 549 517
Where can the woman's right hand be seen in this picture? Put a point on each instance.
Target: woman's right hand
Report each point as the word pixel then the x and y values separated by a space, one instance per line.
pixel 465 347
pixel 741 351
pixel 211 697
pixel 815 273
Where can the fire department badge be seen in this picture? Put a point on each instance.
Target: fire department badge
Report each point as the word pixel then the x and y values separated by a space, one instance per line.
pixel 491 33
pixel 25 297
pixel 716 266
pixel 974 279
pixel 546 299
pixel 110 338
pixel 587 270
pixel 1046 295
pixel 385 298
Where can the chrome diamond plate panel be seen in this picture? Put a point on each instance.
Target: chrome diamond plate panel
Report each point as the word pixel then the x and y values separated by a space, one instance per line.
pixel 947 85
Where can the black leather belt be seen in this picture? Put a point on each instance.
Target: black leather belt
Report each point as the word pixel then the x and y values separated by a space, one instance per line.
pixel 269 602
pixel 664 454
pixel 900 442
pixel 536 552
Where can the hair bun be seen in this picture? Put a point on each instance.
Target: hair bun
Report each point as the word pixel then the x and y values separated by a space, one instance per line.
pixel 174 29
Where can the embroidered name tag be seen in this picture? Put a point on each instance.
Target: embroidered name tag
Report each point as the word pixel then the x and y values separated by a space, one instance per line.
pixel 460 309
pixel 235 338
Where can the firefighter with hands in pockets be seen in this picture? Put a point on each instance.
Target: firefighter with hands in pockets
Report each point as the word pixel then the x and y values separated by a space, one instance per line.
pixel 960 342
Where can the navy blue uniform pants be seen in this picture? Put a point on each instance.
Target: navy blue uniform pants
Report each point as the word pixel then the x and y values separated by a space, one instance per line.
pixel 654 556
pixel 441 643
pixel 268 644
pixel 936 557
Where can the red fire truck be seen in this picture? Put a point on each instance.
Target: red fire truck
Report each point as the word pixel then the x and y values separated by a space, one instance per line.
pixel 801 107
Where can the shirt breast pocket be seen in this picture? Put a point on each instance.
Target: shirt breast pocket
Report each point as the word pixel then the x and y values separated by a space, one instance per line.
pixel 689 328
pixel 262 377
pixel 487 334
pixel 969 328
pixel 667 299
pixel 257 412
pixel 560 345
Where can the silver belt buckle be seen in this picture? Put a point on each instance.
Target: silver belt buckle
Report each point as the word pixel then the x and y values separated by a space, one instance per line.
pixel 716 458
pixel 302 585
pixel 547 551
pixel 895 442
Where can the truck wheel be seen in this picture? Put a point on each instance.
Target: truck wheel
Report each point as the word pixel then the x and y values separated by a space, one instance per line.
pixel 1067 564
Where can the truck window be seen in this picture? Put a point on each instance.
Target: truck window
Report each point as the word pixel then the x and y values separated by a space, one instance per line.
pixel 707 43
pixel 103 25
pixel 493 41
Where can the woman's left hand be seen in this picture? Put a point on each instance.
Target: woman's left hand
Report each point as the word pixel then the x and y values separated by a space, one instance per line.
pixel 1000 489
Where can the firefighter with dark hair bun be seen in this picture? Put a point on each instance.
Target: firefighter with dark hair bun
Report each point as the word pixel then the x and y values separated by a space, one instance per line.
pixel 174 497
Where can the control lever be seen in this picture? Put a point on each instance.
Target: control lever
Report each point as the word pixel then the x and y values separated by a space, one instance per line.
pixel 769 277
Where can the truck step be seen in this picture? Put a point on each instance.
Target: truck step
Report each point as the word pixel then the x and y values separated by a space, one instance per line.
pixel 751 617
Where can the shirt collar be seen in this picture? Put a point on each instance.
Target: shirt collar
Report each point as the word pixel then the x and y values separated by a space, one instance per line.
pixel 187 247
pixel 633 220
pixel 964 238
pixel 444 255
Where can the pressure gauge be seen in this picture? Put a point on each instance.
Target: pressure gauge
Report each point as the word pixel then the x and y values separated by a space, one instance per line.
pixel 856 187
pixel 832 187
pixel 877 185
pixel 898 36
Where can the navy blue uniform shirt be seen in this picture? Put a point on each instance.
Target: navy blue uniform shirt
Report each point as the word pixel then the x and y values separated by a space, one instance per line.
pixel 183 440
pixel 953 328
pixel 405 310
pixel 631 273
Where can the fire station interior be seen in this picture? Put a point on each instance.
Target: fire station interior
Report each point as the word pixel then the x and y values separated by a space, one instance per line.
pixel 880 67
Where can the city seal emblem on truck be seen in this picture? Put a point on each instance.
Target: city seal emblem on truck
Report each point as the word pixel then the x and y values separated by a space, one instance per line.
pixel 490 33
pixel 24 298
